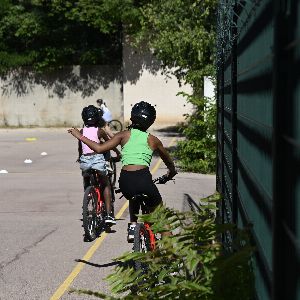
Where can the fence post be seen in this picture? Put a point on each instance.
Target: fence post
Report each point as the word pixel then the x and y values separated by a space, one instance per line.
pixel 222 140
pixel 234 114
pixel 278 210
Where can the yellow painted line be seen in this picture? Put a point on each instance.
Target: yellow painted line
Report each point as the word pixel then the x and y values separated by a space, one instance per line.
pixel 30 139
pixel 66 284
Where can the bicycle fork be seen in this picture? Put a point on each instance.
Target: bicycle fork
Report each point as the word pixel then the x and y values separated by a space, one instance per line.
pixel 151 236
pixel 100 202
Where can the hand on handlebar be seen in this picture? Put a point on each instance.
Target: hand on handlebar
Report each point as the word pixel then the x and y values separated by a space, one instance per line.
pixel 171 173
pixel 160 180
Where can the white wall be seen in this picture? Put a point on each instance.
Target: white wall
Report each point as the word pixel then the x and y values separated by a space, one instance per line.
pixel 54 100
pixel 148 84
pixel 57 100
pixel 209 87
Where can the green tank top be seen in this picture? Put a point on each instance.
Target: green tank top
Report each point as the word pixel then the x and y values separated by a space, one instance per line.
pixel 137 151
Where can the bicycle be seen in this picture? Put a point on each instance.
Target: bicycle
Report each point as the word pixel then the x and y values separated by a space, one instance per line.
pixel 93 207
pixel 144 237
pixel 115 125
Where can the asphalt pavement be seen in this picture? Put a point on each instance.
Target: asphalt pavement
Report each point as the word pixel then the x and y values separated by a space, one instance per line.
pixel 42 251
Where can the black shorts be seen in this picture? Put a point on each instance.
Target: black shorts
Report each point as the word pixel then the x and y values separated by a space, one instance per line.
pixel 137 182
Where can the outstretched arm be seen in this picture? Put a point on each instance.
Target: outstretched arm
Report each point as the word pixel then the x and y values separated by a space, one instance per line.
pixel 99 148
pixel 103 134
pixel 108 131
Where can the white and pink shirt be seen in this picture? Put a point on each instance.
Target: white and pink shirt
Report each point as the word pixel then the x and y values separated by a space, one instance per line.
pixel 92 134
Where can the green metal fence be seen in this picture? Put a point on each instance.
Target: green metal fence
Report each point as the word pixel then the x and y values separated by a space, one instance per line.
pixel 258 170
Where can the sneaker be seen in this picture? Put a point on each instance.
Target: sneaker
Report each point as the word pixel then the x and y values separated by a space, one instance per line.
pixel 110 220
pixel 130 230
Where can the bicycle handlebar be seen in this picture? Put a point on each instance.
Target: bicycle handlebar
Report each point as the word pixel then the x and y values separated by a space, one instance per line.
pixel 159 180
pixel 162 179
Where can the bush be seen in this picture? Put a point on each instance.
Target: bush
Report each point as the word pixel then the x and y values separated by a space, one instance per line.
pixel 191 264
pixel 197 153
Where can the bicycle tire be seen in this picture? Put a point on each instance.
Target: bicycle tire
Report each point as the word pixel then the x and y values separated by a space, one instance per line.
pixel 89 214
pixel 115 125
pixel 141 244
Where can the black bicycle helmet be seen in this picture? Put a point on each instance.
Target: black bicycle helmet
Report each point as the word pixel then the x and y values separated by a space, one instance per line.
pixel 143 115
pixel 90 115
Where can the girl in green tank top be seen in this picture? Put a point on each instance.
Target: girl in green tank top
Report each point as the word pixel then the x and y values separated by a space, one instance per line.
pixel 137 151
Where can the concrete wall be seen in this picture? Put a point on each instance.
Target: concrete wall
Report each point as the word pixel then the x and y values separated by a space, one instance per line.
pixel 57 99
pixel 143 80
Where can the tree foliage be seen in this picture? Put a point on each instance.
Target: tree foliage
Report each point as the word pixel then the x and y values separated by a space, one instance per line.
pixel 197 152
pixel 181 33
pixel 51 34
pixel 44 33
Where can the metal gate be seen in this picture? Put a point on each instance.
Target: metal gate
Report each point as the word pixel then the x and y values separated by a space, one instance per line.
pixel 258 96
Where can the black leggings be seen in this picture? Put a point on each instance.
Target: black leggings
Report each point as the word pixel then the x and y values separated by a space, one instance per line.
pixel 133 183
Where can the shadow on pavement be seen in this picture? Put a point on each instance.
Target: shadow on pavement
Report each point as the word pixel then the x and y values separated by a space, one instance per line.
pixel 114 263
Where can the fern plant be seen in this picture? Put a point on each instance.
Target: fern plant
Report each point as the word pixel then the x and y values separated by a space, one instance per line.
pixel 190 264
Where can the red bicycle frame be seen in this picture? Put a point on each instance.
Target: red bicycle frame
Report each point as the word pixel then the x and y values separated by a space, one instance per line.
pixel 100 200
pixel 151 236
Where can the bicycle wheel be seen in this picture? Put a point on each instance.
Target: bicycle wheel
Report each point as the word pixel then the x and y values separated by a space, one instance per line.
pixel 89 213
pixel 115 125
pixel 141 244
